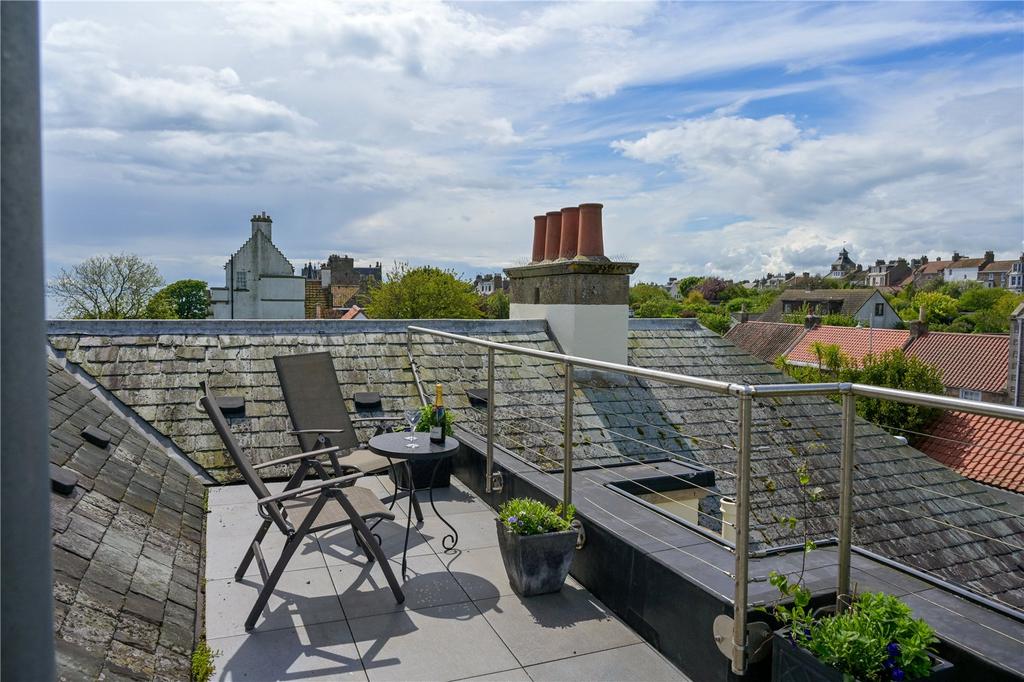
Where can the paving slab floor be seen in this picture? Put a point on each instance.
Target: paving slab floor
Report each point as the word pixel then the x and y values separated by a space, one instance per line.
pixel 333 617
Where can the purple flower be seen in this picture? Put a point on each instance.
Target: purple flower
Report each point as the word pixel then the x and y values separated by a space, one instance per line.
pixel 898 675
pixel 513 519
pixel 893 648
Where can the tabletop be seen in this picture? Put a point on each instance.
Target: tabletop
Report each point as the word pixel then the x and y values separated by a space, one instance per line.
pixel 396 446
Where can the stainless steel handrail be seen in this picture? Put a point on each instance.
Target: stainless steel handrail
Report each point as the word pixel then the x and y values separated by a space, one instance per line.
pixel 746 394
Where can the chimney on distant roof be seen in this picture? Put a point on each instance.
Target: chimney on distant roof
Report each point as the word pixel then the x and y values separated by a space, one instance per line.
pixel 744 315
pixel 583 296
pixel 261 223
pixel 989 257
pixel 956 256
pixel 919 327
pixel 540 231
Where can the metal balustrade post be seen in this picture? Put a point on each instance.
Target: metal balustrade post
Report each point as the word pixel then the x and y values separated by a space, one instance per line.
pixel 846 463
pixel 567 443
pixel 489 476
pixel 739 616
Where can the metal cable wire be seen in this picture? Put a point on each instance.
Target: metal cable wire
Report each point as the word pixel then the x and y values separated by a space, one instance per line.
pixel 956 527
pixel 644 443
pixel 613 471
pixel 639 462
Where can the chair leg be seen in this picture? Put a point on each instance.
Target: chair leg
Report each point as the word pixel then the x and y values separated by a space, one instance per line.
pixel 268 587
pixel 416 507
pixel 360 528
pixel 249 555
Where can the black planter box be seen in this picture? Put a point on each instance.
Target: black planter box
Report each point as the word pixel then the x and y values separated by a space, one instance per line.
pixel 795 664
pixel 421 474
pixel 536 564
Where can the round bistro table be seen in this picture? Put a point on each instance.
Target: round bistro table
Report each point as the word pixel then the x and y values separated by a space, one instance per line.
pixel 397 446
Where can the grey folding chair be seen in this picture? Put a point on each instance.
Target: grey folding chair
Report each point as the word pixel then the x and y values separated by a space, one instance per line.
pixel 321 420
pixel 323 505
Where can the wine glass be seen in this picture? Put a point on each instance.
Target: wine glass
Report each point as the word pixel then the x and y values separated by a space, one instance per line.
pixel 413 418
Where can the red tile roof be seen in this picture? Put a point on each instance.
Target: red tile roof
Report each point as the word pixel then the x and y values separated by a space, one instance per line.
pixel 855 342
pixel 765 340
pixel 352 312
pixel 975 361
pixel 986 449
pixel 932 267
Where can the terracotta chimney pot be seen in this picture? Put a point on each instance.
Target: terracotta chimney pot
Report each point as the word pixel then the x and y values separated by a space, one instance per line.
pixel 540 229
pixel 570 232
pixel 591 238
pixel 554 235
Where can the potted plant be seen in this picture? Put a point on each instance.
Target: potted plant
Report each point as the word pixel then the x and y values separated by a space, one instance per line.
pixel 422 472
pixel 537 545
pixel 876 639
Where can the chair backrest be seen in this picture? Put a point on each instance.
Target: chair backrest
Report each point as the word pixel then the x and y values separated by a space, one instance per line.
pixel 209 402
pixel 313 398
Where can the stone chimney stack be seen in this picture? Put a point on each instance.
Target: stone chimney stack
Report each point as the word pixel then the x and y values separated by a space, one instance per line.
pixel 956 256
pixel 919 327
pixel 989 257
pixel 261 223
pixel 583 296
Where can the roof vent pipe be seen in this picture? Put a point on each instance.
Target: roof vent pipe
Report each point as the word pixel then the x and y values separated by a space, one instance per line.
pixel 540 228
pixel 570 232
pixel 591 236
pixel 554 235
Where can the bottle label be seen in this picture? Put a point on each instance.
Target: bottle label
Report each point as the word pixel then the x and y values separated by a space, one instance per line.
pixel 436 434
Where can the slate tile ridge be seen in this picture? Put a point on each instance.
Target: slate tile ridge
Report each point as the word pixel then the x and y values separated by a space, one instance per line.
pixel 122 411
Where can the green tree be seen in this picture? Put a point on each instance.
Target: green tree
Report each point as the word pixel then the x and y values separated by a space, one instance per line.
pixel 657 306
pixel 422 293
pixel 496 306
pixel 110 287
pixel 892 369
pixel 643 292
pixel 715 321
pixel 939 308
pixel 839 320
pixel 996 318
pixel 982 298
pixel 186 299
pixel 687 284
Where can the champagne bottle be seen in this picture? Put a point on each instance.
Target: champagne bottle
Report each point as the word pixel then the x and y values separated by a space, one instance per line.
pixel 437 421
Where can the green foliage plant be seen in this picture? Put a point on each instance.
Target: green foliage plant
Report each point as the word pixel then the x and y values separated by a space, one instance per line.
pixel 715 321
pixel 877 638
pixel 422 293
pixel 186 299
pixel 526 516
pixel 112 287
pixel 496 306
pixel 658 307
pixel 646 291
pixel 203 667
pixel 427 415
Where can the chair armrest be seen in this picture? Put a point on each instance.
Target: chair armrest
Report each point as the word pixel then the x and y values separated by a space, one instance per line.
pixel 377 419
pixel 312 454
pixel 308 489
pixel 295 432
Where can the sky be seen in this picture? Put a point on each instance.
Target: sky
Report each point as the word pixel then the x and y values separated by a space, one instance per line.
pixel 723 139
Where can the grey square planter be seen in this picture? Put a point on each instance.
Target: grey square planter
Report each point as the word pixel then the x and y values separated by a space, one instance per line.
pixel 536 564
pixel 791 663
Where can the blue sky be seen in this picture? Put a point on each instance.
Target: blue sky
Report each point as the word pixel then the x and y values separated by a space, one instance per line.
pixel 723 138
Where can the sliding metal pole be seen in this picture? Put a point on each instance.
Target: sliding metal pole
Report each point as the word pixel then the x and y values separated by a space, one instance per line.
pixel 846 501
pixel 567 443
pixel 490 420
pixel 739 616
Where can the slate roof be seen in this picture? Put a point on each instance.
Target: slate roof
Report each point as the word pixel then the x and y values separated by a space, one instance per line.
pixel 853 341
pixel 852 300
pixel 905 504
pixel 765 340
pixel 126 546
pixel 986 449
pixel 975 361
pixel 1000 265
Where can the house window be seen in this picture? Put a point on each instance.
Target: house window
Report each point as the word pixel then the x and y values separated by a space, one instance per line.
pixel 879 309
pixel 968 394
pixel 240 280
